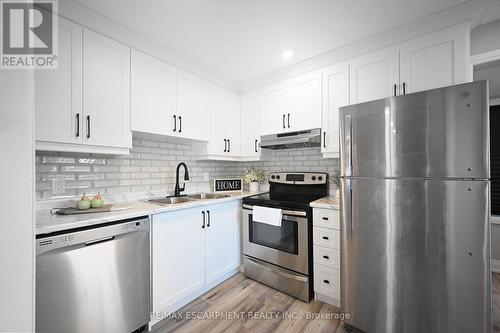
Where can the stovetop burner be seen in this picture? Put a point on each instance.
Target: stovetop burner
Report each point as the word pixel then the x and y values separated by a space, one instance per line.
pixel 292 190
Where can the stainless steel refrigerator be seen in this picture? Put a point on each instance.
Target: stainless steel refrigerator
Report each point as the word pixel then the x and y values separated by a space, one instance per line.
pixel 416 212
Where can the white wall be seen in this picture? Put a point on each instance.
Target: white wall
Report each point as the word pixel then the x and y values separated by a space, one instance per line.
pixel 16 202
pixel 485 38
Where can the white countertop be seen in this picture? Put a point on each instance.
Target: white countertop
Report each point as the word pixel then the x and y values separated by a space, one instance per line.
pixel 47 223
pixel 326 202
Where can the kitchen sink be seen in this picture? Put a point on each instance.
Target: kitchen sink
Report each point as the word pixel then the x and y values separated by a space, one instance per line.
pixel 205 196
pixel 188 198
pixel 172 200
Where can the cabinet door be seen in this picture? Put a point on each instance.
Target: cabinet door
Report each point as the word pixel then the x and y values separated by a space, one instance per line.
pixel 250 113
pixel 193 106
pixel 222 240
pixel 233 125
pixel 220 103
pixel 58 93
pixel 106 91
pixel 304 102
pixel 374 76
pixel 153 94
pixel 273 109
pixel 178 261
pixel 435 60
pixel 335 95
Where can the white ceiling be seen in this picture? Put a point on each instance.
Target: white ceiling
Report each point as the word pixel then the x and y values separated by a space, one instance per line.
pixel 243 39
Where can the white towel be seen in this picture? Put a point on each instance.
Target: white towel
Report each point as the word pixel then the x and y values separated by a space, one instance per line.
pixel 271 216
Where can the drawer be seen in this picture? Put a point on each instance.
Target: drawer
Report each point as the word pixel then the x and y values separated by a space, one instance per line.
pixel 326 237
pixel 327 281
pixel 326 256
pixel 326 218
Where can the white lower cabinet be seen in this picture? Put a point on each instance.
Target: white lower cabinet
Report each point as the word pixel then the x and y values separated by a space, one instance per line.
pixel 222 240
pixel 193 250
pixel 326 254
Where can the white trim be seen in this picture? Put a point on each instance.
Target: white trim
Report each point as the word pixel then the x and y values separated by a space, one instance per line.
pixel 485 57
pixel 495 266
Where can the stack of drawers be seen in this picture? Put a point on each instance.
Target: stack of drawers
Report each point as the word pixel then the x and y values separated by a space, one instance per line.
pixel 326 249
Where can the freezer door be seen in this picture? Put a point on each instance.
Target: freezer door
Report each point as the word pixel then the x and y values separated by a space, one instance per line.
pixel 416 256
pixel 438 133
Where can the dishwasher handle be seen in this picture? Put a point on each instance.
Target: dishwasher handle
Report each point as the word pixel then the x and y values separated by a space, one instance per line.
pixel 99 240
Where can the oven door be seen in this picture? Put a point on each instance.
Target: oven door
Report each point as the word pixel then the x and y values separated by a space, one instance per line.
pixel 285 246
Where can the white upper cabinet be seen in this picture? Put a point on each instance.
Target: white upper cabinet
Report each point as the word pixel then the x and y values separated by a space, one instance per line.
pixel 153 95
pixel 193 106
pixel 303 109
pixel 335 95
pixel 224 122
pixel 435 60
pixel 272 118
pixel 374 76
pixel 291 105
pixel 168 101
pixel 58 93
pixel 106 91
pixel 250 114
pixel 222 240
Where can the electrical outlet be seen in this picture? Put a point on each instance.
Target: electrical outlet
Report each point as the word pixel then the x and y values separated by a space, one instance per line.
pixel 58 186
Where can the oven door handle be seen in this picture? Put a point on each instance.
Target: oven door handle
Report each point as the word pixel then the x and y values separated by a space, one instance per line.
pixel 283 212
pixel 274 270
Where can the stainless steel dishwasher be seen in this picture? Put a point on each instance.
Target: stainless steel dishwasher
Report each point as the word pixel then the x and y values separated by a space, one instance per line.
pixel 94 279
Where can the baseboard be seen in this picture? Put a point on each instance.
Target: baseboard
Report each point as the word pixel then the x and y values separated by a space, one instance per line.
pixel 495 266
pixel 327 299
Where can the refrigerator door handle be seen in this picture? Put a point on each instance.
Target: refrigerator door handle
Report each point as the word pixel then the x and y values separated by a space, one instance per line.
pixel 348 209
pixel 348 120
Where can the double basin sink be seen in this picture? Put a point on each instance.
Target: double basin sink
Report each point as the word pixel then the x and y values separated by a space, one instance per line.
pixel 188 198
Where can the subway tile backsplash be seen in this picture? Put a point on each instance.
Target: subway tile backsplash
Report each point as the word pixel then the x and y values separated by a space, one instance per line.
pixel 151 167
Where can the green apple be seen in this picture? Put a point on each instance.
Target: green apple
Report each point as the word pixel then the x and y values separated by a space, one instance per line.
pixel 83 203
pixel 97 201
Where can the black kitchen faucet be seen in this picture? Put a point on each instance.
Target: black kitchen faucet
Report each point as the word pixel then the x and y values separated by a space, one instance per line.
pixel 178 189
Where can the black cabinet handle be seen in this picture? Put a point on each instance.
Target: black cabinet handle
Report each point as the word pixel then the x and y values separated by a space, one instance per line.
pixel 326 257
pixel 208 218
pixel 180 124
pixel 88 127
pixel 326 281
pixel 324 139
pixel 395 87
pixel 175 123
pixel 284 121
pixel 228 145
pixel 325 218
pixel 404 88
pixel 225 145
pixel 203 223
pixel 288 120
pixel 325 238
pixel 255 145
pixel 77 125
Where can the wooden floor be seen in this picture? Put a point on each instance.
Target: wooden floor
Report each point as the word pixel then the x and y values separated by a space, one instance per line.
pixel 241 295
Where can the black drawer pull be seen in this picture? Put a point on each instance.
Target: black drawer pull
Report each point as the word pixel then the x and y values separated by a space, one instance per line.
pixel 326 281
pixel 325 238
pixel 326 257
pixel 325 218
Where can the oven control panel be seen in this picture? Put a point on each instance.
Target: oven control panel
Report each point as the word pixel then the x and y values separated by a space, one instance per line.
pixel 297 178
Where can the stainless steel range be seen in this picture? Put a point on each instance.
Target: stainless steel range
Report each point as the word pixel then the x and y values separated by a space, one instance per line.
pixel 281 255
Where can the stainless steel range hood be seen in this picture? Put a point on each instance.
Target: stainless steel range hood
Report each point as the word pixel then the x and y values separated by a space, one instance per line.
pixel 299 139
